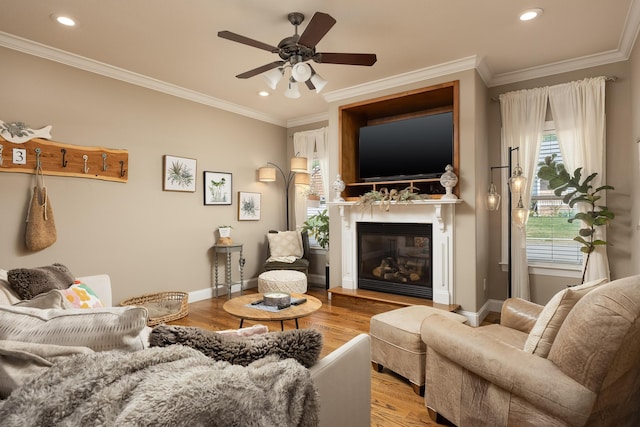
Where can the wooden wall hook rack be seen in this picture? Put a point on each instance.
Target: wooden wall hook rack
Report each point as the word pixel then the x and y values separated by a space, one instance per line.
pixel 61 159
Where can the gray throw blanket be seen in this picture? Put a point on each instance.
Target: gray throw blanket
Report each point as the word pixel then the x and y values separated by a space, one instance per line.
pixel 173 386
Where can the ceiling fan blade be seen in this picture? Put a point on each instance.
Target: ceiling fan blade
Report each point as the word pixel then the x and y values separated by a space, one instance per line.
pixel 346 58
pixel 260 70
pixel 246 40
pixel 319 25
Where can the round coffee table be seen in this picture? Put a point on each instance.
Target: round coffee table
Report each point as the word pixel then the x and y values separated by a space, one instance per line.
pixel 241 307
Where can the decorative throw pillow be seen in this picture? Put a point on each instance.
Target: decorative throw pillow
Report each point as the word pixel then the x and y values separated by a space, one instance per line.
pixel 546 328
pixel 29 282
pixel 100 329
pixel 7 294
pixel 285 243
pixel 51 299
pixel 20 361
pixel 80 295
pixel 303 345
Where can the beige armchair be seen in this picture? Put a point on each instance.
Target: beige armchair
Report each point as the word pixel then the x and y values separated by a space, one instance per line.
pixel 500 375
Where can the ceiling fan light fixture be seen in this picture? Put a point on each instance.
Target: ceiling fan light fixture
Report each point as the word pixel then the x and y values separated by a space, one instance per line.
pixel 292 91
pixel 273 77
pixel 318 82
pixel 301 72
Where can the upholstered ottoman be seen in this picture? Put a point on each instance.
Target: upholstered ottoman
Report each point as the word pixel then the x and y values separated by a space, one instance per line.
pixel 290 281
pixel 396 343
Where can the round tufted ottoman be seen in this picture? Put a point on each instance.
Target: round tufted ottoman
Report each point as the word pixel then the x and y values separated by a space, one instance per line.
pixel 290 281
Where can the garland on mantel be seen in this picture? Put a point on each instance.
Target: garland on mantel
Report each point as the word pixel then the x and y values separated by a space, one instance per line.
pixel 386 197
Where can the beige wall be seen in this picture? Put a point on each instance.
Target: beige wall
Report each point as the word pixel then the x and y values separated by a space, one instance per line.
pixel 147 239
pixel 634 141
pixel 620 147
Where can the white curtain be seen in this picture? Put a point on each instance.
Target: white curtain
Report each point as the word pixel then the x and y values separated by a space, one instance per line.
pixel 310 144
pixel 578 113
pixel 523 114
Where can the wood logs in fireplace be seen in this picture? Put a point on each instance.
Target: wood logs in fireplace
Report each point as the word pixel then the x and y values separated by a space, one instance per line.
pixel 390 269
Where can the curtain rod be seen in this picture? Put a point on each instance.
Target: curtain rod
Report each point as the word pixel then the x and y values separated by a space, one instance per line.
pixel 606 79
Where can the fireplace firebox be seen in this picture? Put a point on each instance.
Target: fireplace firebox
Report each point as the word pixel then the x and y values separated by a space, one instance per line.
pixel 395 258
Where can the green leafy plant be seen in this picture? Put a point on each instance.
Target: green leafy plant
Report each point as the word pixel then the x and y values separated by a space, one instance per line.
pixel 225 226
pixel 579 191
pixel 318 227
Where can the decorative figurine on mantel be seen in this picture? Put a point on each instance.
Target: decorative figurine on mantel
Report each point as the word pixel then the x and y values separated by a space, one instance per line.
pixel 338 187
pixel 449 180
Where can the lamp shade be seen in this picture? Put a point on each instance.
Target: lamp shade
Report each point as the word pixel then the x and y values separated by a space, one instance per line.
pixel 267 174
pixel 519 215
pixel 301 72
pixel 299 164
pixel 302 179
pixel 272 77
pixel 517 182
pixel 292 91
pixel 318 82
pixel 493 198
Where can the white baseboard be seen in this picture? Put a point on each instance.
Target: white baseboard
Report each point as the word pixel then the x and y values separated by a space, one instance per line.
pixel 208 293
pixel 475 319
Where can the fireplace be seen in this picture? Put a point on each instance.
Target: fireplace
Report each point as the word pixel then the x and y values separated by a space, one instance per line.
pixel 395 258
pixel 437 213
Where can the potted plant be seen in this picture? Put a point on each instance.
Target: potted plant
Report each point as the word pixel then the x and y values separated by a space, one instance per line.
pixel 579 192
pixel 318 227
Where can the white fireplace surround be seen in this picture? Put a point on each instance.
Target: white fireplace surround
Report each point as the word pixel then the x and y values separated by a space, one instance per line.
pixel 439 213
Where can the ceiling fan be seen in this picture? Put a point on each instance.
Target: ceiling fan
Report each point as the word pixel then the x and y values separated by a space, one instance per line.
pixel 295 51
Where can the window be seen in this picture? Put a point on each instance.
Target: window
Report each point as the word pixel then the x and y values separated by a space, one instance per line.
pixel 316 199
pixel 549 234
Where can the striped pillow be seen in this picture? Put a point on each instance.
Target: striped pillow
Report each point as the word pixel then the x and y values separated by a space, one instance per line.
pixel 100 329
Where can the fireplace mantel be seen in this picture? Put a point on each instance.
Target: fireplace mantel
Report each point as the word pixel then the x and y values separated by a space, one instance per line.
pixel 439 212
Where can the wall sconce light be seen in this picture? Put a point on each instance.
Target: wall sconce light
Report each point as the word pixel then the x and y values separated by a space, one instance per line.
pixel 298 167
pixel 517 215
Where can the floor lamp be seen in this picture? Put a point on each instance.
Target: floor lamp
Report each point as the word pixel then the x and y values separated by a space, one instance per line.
pixel 517 215
pixel 298 166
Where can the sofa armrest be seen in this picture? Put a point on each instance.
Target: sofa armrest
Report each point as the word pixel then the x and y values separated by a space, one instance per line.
pixel 535 379
pixel 343 380
pixel 101 285
pixel 519 314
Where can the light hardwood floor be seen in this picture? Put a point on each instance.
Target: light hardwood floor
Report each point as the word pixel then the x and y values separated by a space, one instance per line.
pixel 393 402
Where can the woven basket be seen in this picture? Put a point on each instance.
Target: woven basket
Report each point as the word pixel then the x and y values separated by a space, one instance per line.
pixel 153 301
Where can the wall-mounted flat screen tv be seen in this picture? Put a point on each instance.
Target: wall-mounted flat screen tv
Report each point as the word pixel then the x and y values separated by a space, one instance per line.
pixel 414 148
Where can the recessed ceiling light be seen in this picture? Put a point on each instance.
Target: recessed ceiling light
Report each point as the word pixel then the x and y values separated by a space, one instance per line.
pixel 263 93
pixel 530 14
pixel 64 20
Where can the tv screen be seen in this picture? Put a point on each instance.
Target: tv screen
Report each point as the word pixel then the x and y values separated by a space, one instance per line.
pixel 415 148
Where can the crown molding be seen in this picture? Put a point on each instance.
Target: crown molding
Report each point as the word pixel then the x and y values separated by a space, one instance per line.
pixel 558 68
pixel 439 70
pixel 307 120
pixel 53 54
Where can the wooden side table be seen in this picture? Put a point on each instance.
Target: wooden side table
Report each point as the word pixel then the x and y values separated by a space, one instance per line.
pixel 227 250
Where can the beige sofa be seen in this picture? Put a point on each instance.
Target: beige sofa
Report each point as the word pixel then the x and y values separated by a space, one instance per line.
pixel 342 378
pixel 574 362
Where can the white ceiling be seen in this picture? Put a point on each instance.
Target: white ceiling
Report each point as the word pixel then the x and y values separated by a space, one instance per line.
pixel 172 45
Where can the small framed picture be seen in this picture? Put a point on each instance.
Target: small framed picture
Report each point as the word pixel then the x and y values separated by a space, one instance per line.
pixel 179 174
pixel 217 188
pixel 248 206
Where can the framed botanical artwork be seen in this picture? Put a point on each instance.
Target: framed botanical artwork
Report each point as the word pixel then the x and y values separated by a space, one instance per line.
pixel 248 206
pixel 217 188
pixel 179 174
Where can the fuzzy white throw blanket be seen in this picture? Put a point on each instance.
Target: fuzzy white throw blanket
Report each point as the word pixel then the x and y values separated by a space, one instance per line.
pixel 172 386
